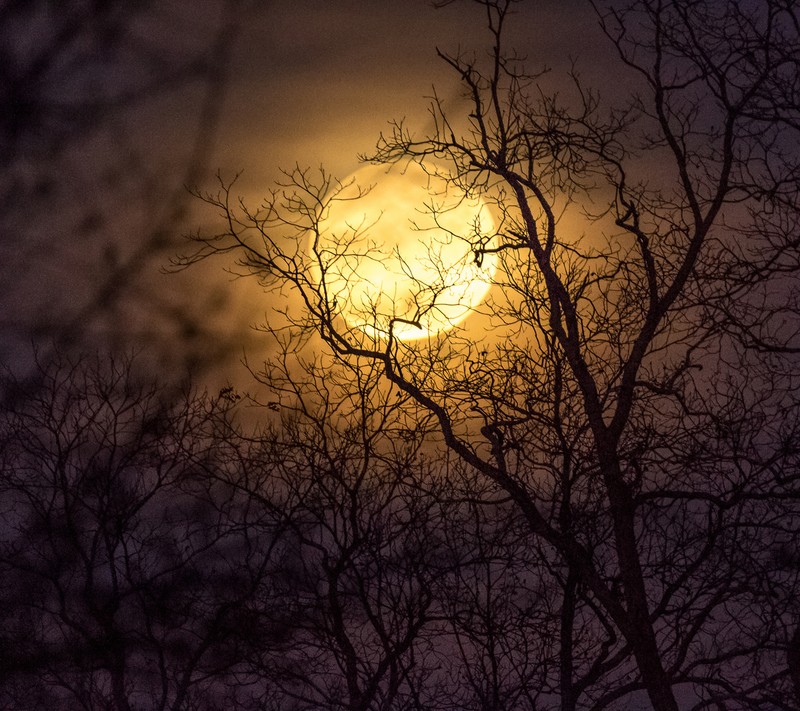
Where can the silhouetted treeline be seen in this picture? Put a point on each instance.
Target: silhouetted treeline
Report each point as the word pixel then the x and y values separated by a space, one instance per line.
pixel 154 555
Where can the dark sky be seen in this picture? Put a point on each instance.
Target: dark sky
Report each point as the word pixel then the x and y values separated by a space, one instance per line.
pixel 315 82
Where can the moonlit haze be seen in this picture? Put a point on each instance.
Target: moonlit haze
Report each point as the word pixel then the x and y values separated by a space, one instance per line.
pixel 306 84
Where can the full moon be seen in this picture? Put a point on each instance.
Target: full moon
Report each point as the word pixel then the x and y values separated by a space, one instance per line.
pixel 400 259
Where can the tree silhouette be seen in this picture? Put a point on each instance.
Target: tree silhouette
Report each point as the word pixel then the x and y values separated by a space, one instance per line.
pixel 339 470
pixel 132 578
pixel 636 397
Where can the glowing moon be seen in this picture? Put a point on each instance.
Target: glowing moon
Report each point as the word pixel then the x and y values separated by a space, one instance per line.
pixel 402 256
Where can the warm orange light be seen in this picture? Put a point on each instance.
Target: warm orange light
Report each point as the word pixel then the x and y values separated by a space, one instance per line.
pixel 403 251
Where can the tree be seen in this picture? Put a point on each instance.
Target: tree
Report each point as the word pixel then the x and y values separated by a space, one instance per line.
pixel 130 572
pixel 340 469
pixel 638 405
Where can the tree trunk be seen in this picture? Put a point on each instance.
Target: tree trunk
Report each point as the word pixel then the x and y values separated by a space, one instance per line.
pixel 793 662
pixel 639 631
pixel 568 697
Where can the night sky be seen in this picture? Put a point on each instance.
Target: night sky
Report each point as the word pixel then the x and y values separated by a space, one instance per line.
pixel 599 469
pixel 94 220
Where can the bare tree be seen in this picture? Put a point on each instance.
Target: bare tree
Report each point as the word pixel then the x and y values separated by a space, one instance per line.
pixel 639 404
pixel 130 574
pixel 340 469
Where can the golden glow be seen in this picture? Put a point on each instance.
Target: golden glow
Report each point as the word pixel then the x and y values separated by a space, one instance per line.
pixel 403 251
